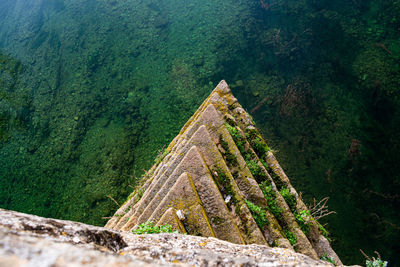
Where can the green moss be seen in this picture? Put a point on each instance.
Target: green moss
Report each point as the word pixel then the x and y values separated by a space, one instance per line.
pixel 291 237
pixel 259 214
pixel 257 142
pixel 256 170
pixel 270 196
pixel 265 164
pixel 225 186
pixel 161 155
pixel 229 157
pixel 237 138
pixel 277 180
pixel 290 199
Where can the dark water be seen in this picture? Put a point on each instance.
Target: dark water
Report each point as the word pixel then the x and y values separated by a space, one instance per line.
pixel 91 90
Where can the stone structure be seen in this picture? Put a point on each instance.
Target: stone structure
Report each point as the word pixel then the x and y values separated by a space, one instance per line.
pixel 218 178
pixel 28 240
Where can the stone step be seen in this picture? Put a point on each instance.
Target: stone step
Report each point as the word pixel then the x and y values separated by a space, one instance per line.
pixel 170 217
pixel 183 197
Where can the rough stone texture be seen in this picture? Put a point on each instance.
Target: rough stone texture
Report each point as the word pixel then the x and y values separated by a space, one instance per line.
pixel 28 240
pixel 229 165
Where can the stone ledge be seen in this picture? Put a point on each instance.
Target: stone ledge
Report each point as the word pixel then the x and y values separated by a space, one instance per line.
pixel 28 240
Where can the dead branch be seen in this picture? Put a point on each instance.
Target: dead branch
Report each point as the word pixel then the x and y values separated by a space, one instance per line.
pixel 320 209
pixel 259 105
pixel 110 197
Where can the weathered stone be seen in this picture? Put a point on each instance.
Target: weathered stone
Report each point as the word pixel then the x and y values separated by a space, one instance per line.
pixel 28 240
pixel 172 219
pixel 183 196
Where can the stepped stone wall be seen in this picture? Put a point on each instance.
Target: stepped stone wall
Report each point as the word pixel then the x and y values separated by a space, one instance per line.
pixel 218 178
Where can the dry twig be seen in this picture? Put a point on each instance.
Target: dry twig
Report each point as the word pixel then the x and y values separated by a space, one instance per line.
pixel 320 209
pixel 110 197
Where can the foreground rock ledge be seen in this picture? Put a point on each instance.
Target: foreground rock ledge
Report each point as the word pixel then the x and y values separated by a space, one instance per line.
pixel 28 240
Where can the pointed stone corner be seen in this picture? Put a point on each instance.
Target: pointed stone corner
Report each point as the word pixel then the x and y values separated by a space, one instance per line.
pixel 220 179
pixel 170 217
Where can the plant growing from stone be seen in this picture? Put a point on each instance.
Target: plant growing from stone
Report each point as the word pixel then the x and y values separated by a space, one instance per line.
pixel 149 228
pixel 374 262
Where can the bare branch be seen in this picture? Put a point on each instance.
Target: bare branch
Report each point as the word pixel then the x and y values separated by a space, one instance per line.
pixel 110 197
pixel 320 209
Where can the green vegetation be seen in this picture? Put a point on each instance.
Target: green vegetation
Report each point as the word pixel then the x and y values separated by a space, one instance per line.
pixel 324 232
pixel 161 155
pixel 240 141
pixel 303 218
pixel 149 228
pixel 290 199
pixel 229 157
pixel 256 170
pixel 257 143
pixel 325 257
pixel 225 186
pixel 137 194
pixel 15 100
pixel 291 237
pixel 270 195
pixel 259 214
pixel 374 262
pixel 237 138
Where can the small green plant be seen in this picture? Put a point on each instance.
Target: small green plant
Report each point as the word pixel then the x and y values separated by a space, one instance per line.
pixel 259 214
pixel 149 228
pixel 303 218
pixel 291 237
pixel 230 158
pixel 237 137
pixel 257 142
pixel 270 196
pixel 257 172
pixel 161 155
pixel 265 164
pixel 324 232
pixel 374 262
pixel 290 199
pixel 328 259
pixel 275 177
